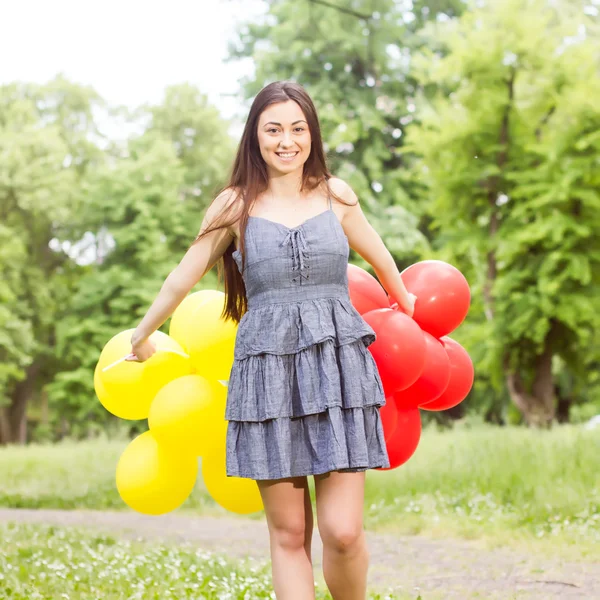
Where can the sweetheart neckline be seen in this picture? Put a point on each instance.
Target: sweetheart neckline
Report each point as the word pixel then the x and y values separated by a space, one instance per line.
pixel 329 210
pixel 297 226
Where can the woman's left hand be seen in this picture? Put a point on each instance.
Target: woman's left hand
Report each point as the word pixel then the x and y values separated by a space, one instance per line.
pixel 409 309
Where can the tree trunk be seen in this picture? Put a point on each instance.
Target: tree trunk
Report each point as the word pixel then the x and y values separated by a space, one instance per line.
pixel 537 405
pixel 4 426
pixel 563 407
pixel 13 418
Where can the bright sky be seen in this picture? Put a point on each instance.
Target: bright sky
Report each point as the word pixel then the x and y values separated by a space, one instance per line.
pixel 128 50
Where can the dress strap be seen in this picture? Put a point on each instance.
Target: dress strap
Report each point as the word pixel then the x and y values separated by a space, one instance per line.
pixel 328 194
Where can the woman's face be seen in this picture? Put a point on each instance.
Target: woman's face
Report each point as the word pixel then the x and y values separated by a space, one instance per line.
pixel 283 137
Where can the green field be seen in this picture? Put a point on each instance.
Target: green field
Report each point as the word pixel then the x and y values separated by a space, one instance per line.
pixel 508 485
pixel 79 565
pixel 67 563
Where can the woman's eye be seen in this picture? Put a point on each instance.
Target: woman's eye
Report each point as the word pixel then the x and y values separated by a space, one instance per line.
pixel 273 130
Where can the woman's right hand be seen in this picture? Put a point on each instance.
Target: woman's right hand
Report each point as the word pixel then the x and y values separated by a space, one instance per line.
pixel 141 350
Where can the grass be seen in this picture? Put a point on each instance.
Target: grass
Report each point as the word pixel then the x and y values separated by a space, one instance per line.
pixel 42 562
pixel 503 485
pixel 506 484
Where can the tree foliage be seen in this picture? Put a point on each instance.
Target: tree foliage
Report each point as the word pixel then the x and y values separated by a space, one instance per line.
pixel 94 232
pixel 510 149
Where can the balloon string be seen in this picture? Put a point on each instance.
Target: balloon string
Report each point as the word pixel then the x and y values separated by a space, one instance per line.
pixel 120 360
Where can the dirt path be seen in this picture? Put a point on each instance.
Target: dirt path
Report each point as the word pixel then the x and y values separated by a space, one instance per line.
pixel 435 568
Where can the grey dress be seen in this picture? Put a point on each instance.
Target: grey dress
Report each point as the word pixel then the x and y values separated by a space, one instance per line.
pixel 304 391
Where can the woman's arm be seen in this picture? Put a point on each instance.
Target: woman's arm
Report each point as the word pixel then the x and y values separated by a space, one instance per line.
pixel 196 262
pixel 366 242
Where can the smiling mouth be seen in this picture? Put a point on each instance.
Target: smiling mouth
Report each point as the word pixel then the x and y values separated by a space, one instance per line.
pixel 286 155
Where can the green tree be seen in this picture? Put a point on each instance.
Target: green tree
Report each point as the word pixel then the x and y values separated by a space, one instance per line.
pixel 199 135
pixel 89 229
pixel 44 150
pixel 132 208
pixel 510 163
pixel 143 207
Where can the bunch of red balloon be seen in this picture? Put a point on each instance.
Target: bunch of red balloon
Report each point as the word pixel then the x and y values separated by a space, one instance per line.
pixel 419 365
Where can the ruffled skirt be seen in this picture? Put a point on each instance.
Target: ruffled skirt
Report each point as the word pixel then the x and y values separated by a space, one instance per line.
pixel 304 393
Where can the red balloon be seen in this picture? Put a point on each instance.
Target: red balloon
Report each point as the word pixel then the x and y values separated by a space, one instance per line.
pixel 433 380
pixel 389 417
pixel 399 350
pixel 443 295
pixel 405 439
pixel 366 292
pixel 461 377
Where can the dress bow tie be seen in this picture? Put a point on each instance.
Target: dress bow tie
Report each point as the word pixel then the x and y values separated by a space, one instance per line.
pixel 296 238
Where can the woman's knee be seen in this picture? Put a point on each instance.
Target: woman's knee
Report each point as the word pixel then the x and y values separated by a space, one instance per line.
pixel 289 535
pixel 342 537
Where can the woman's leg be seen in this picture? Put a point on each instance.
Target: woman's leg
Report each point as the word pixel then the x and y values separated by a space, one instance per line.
pixel 290 520
pixel 340 500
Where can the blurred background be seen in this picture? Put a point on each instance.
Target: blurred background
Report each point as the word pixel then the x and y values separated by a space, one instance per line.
pixel 470 131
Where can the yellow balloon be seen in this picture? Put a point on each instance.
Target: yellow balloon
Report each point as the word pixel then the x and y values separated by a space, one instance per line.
pixel 211 340
pixel 237 494
pixel 129 387
pixel 178 327
pixel 215 361
pixel 188 413
pixel 153 479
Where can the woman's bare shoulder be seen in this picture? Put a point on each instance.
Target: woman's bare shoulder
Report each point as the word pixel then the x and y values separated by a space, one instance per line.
pixel 226 208
pixel 228 198
pixel 343 191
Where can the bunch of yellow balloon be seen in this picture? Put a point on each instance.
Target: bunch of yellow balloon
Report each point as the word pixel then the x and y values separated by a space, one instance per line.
pixel 180 391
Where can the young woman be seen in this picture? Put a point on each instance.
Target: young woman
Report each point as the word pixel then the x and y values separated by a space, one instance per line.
pixel 304 392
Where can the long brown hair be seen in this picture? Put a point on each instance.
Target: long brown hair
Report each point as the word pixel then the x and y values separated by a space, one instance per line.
pixel 249 178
